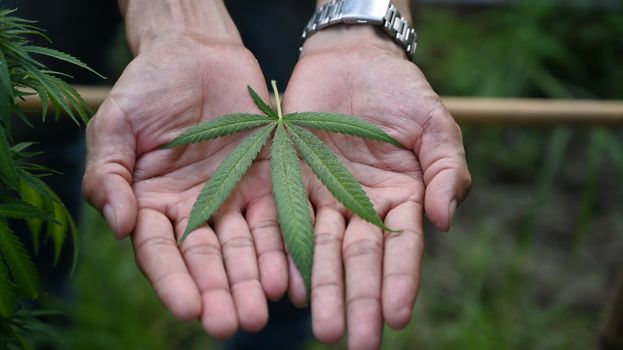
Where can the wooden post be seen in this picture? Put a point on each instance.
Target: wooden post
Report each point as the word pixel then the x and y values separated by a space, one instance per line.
pixel 470 110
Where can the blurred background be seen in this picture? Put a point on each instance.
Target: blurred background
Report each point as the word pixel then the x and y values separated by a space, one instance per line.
pixel 536 250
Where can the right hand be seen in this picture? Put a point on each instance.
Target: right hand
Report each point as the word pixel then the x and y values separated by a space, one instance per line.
pixel 222 272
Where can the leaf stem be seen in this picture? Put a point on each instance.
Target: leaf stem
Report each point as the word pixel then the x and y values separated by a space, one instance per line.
pixel 277 99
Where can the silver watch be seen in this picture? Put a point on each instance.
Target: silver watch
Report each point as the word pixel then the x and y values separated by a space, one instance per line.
pixel 375 12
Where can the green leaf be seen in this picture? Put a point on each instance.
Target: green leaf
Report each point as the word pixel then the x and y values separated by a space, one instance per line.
pixel 19 147
pixel 62 96
pixel 24 211
pixel 75 240
pixel 7 294
pixel 71 97
pixel 74 98
pixel 51 200
pixel 334 175
pixel 31 196
pixel 60 56
pixel 7 164
pixel 225 178
pixel 217 127
pixel 292 204
pixel 18 261
pixel 22 116
pixel 6 88
pixel 263 106
pixel 341 123
pixel 45 99
pixel 25 31
pixel 58 229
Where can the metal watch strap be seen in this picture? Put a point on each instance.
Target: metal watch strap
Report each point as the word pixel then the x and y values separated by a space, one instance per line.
pixel 365 12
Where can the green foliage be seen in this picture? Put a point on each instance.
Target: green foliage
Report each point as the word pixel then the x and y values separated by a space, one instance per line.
pixel 22 210
pixel 19 262
pixel 265 108
pixel 21 73
pixel 340 123
pixel 7 164
pixel 225 178
pixel 334 175
pixel 292 205
pixel 288 190
pixel 7 297
pixel 218 127
pixel 24 195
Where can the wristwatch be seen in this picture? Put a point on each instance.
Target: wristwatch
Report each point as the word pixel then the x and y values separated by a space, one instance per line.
pixel 375 12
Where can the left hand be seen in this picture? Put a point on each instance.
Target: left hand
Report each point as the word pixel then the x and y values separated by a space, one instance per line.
pixel 357 71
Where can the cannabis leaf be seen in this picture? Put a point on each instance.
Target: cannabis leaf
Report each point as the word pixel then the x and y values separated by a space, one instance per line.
pixel 7 296
pixel 290 136
pixel 291 199
pixel 18 261
pixel 23 195
pixel 225 178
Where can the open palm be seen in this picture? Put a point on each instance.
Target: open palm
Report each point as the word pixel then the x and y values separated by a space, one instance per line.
pixel 149 191
pixel 381 270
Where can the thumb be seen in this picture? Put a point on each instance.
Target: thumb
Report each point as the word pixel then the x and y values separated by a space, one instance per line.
pixel 107 181
pixel 446 176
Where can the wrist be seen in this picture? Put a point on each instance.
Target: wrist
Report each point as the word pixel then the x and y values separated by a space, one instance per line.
pixel 360 25
pixel 151 22
pixel 351 38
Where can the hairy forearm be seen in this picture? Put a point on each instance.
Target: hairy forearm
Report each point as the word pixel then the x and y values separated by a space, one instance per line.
pixel 148 21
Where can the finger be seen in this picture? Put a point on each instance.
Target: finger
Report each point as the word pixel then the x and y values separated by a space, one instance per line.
pixel 327 294
pixel 442 157
pixel 272 262
pixel 296 285
pixel 202 253
pixel 109 165
pixel 241 264
pixel 401 263
pixel 160 260
pixel 363 253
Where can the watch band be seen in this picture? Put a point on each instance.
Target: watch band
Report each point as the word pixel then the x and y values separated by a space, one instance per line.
pixel 376 12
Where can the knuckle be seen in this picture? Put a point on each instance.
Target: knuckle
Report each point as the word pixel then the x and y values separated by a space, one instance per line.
pixel 237 243
pixel 202 249
pixel 146 246
pixel 327 239
pixel 363 247
pixel 367 298
pixel 263 224
pixel 326 287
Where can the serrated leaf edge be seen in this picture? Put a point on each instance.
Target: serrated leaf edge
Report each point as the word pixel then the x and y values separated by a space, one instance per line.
pixel 249 148
pixel 370 131
pixel 322 161
pixel 218 127
pixel 295 212
pixel 261 104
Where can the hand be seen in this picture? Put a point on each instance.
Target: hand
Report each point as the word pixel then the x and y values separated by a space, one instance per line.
pixel 149 191
pixel 354 70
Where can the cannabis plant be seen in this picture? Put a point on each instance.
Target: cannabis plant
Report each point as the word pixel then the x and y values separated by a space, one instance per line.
pixel 289 133
pixel 23 193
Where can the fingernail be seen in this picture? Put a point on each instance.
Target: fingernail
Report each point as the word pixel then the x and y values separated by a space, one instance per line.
pixel 109 215
pixel 451 211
